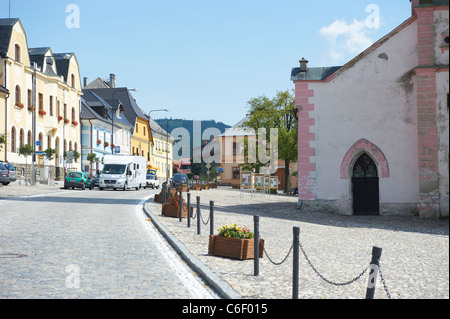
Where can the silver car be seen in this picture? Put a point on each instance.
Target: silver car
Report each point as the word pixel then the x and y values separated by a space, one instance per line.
pixel 4 179
pixel 11 173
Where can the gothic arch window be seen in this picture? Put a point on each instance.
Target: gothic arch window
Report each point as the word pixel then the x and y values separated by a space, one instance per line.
pixel 365 167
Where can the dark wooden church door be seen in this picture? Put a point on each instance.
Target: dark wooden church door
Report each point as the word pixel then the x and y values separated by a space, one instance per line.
pixel 365 187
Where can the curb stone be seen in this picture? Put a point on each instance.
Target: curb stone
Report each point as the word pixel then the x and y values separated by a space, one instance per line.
pixel 222 288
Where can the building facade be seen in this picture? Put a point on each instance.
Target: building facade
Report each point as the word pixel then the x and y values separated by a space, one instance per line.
pixel 43 105
pixel 373 134
pixel 141 138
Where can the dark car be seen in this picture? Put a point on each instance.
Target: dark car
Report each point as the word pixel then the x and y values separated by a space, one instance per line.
pixel 179 179
pixel 77 180
pixel 95 181
pixel 4 179
pixel 11 173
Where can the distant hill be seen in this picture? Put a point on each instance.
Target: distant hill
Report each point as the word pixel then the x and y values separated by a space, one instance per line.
pixel 170 124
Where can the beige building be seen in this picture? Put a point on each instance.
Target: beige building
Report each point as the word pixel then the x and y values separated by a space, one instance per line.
pixel 43 105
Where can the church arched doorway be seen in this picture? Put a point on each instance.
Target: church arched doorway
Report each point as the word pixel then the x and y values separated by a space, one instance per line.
pixel 365 187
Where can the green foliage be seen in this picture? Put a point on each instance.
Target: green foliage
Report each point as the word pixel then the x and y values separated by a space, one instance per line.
pixel 26 150
pixel 50 153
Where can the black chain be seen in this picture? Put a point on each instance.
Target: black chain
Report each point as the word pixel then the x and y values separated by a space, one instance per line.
pixel 270 259
pixel 204 223
pixel 327 280
pixel 384 283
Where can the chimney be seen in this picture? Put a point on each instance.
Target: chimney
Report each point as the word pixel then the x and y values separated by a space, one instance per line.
pixel 85 81
pixel 112 80
pixel 303 65
pixel 414 3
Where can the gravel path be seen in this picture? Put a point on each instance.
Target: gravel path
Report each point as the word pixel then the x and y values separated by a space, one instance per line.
pixel 414 263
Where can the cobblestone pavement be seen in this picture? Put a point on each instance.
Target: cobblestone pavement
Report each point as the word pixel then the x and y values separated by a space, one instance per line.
pixel 77 244
pixel 414 262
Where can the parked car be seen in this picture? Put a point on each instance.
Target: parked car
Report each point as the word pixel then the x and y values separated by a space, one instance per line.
pixel 11 173
pixel 95 181
pixel 152 181
pixel 179 179
pixel 4 179
pixel 77 180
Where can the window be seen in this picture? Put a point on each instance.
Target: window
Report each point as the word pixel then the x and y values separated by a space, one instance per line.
pixel 30 98
pixel 73 114
pixel 51 105
pixel 49 142
pixel 144 130
pixel 13 139
pixel 137 128
pixel 21 137
pixel 17 53
pixel 365 168
pixel 18 100
pixel 72 81
pixel 41 102
pixel 236 172
pixel 29 138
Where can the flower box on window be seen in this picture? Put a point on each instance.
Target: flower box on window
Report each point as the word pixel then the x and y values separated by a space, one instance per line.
pixel 74 123
pixel 19 105
pixel 42 112
pixel 60 118
pixel 67 121
pixel 99 142
pixel 30 108
pixel 106 144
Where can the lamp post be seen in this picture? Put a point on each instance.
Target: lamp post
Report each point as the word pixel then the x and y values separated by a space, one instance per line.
pixel 160 110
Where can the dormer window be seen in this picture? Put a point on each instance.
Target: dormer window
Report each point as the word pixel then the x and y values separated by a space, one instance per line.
pixel 72 81
pixel 17 53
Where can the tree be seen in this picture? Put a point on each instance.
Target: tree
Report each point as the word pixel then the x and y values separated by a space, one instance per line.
pixel 277 113
pixel 92 157
pixel 2 141
pixel 26 150
pixel 50 153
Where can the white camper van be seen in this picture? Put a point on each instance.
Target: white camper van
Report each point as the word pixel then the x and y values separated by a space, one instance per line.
pixel 123 172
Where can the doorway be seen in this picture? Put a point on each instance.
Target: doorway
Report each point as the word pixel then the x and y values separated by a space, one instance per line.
pixel 365 187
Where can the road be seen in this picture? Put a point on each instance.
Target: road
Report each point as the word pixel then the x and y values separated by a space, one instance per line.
pixel 88 244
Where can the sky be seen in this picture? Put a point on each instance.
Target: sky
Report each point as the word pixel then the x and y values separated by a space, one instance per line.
pixel 204 59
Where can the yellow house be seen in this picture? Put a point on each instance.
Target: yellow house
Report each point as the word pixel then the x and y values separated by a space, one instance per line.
pixel 161 152
pixel 43 105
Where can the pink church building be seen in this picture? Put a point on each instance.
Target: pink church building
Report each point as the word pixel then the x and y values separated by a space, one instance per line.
pixel 374 133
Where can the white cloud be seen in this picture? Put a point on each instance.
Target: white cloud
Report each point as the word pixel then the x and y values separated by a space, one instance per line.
pixel 345 40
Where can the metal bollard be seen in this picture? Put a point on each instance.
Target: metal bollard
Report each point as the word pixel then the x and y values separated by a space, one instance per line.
pixel 374 268
pixel 198 216
pixel 189 210
pixel 181 206
pixel 295 271
pixel 211 218
pixel 256 246
pixel 164 197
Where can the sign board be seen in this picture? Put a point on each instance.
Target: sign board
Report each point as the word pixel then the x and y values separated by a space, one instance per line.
pixel 38 143
pixel 219 170
pixel 266 182
pixel 208 166
pixel 196 177
pixel 259 181
pixel 246 181
pixel 273 182
pixel 117 150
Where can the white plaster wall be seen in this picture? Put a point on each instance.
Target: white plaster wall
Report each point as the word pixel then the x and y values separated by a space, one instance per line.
pixel 442 88
pixel 374 99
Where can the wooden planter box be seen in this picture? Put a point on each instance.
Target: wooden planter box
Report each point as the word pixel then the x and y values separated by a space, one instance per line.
pixel 158 198
pixel 205 187
pixel 235 248
pixel 185 189
pixel 196 188
pixel 170 210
